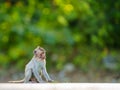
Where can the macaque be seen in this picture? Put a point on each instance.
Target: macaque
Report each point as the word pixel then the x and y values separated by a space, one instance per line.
pixel 36 65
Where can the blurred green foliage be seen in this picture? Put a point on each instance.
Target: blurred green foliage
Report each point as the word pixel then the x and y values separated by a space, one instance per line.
pixel 74 31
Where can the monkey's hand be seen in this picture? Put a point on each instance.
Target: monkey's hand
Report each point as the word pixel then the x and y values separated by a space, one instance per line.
pixel 50 80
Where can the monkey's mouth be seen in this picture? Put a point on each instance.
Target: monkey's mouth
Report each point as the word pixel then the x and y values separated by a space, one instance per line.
pixel 42 55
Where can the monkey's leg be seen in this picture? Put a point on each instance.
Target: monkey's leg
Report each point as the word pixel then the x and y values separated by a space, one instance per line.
pixel 28 74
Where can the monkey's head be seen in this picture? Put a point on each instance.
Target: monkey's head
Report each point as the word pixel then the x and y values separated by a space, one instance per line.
pixel 40 52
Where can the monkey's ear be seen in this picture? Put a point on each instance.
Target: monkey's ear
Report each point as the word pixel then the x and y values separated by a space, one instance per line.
pixel 34 52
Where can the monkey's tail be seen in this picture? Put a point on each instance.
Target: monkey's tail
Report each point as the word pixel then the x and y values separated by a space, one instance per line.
pixel 19 81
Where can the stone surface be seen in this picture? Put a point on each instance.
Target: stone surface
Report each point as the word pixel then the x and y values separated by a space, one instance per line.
pixel 61 86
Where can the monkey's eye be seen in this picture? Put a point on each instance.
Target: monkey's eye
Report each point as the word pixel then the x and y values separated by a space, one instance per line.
pixel 42 53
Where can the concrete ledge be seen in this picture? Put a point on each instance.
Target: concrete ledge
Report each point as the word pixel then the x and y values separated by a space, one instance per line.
pixel 61 86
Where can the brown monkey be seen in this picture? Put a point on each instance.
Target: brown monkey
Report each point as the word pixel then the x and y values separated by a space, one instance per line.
pixel 36 65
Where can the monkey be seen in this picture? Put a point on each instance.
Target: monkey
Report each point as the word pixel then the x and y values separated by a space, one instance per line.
pixel 36 65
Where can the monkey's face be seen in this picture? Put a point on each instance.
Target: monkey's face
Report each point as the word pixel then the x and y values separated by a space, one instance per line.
pixel 40 52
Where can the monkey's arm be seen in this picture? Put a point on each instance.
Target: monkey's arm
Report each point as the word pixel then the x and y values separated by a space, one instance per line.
pixel 37 76
pixel 45 73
